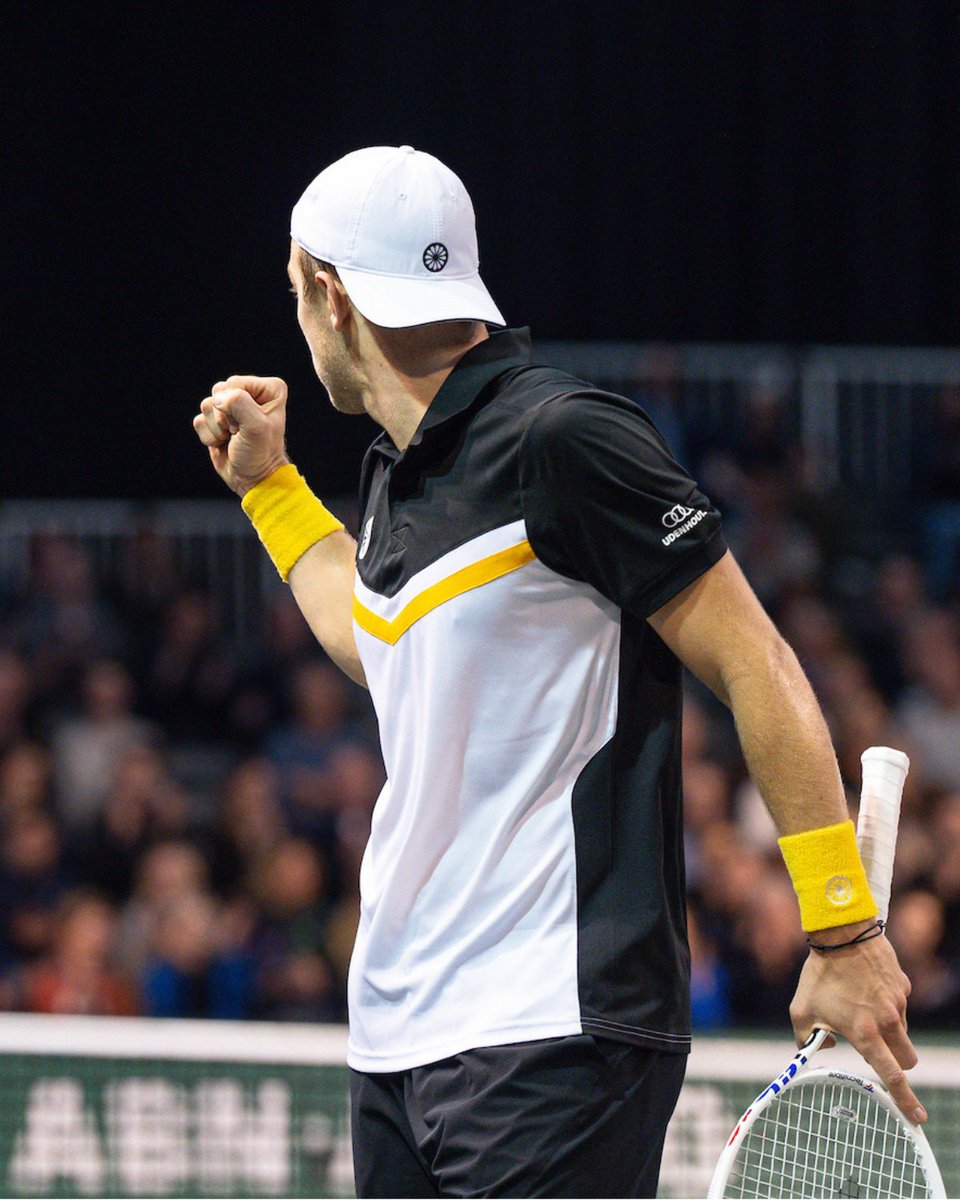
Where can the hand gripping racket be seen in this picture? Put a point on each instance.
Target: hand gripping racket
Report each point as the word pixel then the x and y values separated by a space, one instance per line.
pixel 822 1132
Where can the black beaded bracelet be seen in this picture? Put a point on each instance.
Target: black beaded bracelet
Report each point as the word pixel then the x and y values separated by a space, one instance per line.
pixel 868 934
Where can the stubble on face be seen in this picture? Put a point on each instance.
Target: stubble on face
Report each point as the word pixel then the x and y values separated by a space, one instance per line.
pixel 328 350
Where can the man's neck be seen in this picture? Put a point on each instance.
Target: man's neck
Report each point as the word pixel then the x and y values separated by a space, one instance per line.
pixel 403 381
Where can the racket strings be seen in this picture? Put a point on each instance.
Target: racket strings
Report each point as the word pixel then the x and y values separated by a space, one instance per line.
pixel 827 1139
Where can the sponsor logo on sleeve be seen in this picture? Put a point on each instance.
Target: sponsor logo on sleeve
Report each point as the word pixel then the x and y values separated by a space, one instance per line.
pixel 680 520
pixel 676 514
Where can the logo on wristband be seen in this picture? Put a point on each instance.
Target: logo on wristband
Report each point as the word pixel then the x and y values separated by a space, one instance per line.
pixel 839 890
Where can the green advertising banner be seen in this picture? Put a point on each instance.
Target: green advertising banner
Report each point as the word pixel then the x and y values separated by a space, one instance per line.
pixel 109 1127
pixel 123 1107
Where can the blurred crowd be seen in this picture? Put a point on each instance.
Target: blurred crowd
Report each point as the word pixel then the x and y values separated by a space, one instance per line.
pixel 871 605
pixel 182 819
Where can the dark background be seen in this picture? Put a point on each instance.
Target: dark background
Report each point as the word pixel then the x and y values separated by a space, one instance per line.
pixel 640 170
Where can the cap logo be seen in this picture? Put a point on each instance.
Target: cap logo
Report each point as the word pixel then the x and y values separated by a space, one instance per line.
pixel 435 256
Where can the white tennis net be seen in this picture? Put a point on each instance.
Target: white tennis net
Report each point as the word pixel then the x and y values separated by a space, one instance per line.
pixel 112 1107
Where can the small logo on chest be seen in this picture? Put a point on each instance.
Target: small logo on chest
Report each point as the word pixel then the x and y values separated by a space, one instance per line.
pixel 365 540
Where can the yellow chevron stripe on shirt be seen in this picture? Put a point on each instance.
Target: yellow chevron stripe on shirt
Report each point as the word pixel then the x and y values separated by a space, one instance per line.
pixel 464 580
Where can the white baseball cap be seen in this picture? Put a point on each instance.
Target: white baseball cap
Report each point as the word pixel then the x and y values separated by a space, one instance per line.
pixel 400 229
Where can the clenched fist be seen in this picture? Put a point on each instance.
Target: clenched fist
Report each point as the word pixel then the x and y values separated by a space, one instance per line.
pixel 242 423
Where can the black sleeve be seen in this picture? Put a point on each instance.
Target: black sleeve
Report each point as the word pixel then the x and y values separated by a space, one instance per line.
pixel 605 502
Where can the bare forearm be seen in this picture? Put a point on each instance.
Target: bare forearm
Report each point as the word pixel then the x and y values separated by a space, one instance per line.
pixel 322 583
pixel 720 631
pixel 785 740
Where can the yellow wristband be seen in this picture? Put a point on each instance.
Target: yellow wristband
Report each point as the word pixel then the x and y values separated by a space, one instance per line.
pixel 288 517
pixel 828 876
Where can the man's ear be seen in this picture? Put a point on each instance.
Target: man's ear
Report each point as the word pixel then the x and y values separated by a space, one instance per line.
pixel 338 302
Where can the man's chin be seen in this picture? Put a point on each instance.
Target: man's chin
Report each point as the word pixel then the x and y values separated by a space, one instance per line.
pixel 343 399
pixel 352 406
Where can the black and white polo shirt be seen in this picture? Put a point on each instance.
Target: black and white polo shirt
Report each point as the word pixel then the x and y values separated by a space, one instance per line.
pixel 524 874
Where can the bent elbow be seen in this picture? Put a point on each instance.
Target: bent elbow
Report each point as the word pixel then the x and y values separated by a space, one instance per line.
pixel 764 660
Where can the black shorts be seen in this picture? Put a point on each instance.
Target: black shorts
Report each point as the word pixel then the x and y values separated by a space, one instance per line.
pixel 572 1116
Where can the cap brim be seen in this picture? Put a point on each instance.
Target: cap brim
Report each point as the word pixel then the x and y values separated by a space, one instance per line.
pixel 396 302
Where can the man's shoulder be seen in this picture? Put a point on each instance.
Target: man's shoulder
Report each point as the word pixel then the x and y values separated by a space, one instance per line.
pixel 556 399
pixel 561 410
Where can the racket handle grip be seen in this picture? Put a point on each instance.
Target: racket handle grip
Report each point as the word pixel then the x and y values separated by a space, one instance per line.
pixel 884 774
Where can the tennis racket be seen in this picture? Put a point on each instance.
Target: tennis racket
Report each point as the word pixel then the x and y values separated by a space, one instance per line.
pixel 816 1131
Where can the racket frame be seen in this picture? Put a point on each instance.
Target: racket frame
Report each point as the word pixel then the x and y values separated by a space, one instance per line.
pixel 799 1072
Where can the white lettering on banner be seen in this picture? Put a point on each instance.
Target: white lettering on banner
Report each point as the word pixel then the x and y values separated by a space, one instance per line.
pixel 158 1137
pixel 328 1147
pixel 148 1129
pixel 340 1169
pixel 58 1142
pixel 698 1129
pixel 239 1145
pixel 684 528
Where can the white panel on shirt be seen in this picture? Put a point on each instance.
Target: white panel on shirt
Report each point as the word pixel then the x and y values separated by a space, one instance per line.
pixel 489 706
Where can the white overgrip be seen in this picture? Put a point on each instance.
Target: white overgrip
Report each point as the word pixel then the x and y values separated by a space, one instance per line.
pixel 884 774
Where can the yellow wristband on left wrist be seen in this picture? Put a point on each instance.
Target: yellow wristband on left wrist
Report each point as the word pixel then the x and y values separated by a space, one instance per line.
pixel 828 876
pixel 288 517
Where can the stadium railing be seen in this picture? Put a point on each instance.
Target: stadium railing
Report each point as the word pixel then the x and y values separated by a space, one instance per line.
pixel 861 413
pixel 863 417
pixel 211 544
pixel 111 1107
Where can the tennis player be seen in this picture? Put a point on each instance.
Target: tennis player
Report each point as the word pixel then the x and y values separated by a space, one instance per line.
pixel 533 571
